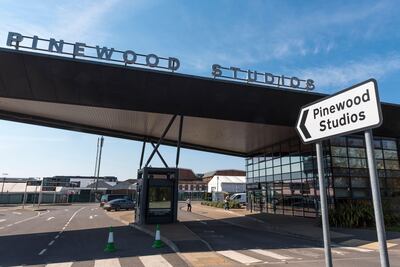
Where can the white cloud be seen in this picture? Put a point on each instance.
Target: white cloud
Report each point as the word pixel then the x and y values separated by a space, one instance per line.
pixel 331 76
pixel 70 21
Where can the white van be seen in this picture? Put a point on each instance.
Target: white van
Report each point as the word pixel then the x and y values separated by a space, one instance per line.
pixel 239 197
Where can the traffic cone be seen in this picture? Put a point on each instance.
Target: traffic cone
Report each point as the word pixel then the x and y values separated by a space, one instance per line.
pixel 110 247
pixel 157 242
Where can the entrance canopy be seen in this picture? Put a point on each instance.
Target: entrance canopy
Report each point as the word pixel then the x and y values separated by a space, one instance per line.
pixel 133 103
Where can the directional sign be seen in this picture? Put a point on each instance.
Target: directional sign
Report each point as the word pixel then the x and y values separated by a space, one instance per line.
pixel 351 110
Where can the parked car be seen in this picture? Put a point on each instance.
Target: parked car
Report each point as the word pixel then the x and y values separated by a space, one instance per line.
pixel 106 198
pixel 239 197
pixel 119 204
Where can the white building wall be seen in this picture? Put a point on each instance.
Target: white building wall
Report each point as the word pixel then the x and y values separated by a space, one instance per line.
pixel 212 185
pixel 230 184
pixel 233 187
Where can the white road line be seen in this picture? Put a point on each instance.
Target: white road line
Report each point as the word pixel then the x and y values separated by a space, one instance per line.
pixel 356 249
pixel 3 220
pixel 50 218
pixel 154 260
pixel 1 227
pixel 30 218
pixel 17 213
pixel 52 242
pixel 95 215
pixel 305 252
pixel 90 217
pixel 108 263
pixel 239 257
pixel 200 221
pixel 43 251
pixel 10 225
pixel 60 264
pixel 271 254
pixel 333 251
pixel 66 209
pixel 57 236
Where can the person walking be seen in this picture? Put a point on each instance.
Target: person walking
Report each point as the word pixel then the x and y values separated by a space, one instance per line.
pixel 226 203
pixel 189 205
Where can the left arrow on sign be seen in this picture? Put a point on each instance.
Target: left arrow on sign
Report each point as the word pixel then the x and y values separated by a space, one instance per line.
pixel 302 125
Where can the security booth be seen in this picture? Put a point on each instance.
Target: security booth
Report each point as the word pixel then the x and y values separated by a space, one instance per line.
pixel 157 196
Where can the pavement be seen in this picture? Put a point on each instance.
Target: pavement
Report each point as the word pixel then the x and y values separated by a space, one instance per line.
pixel 75 235
pixel 210 236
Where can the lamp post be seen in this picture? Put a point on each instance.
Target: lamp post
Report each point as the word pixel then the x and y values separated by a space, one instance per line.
pixel 2 187
pixel 98 167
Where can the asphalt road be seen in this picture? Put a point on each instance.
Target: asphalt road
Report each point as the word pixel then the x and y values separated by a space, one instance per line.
pixel 75 236
pixel 245 245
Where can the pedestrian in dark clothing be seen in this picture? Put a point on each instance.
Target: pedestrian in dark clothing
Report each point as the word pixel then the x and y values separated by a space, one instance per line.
pixel 189 205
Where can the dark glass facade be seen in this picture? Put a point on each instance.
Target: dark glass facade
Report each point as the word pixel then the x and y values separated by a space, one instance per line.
pixel 284 178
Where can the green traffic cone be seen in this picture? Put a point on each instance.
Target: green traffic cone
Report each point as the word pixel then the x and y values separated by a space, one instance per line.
pixel 110 247
pixel 157 242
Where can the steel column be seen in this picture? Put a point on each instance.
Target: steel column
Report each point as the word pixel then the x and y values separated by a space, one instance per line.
pixel 142 155
pixel 376 199
pixel 159 155
pixel 178 149
pixel 324 206
pixel 160 140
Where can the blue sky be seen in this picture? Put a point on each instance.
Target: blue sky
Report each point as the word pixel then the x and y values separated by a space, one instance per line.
pixel 335 43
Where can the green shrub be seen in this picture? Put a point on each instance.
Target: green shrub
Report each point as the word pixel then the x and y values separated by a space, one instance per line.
pixel 360 214
pixel 234 205
pixel 221 204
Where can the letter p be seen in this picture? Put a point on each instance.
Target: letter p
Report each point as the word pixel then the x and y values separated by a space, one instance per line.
pixel 14 39
pixel 316 112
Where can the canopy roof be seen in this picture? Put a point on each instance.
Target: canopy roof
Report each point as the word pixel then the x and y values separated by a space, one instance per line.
pixel 135 103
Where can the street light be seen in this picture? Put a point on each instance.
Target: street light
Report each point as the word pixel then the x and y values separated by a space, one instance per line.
pixel 4 179
pixel 98 167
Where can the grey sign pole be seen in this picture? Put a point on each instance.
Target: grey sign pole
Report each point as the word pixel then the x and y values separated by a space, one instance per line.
pixel 324 206
pixel 376 198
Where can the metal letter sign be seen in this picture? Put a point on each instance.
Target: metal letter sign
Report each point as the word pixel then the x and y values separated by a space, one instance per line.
pixel 351 110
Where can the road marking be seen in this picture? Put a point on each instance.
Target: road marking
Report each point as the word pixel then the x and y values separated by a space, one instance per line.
pixel 271 254
pixel 10 225
pixel 30 218
pixel 209 231
pixel 1 227
pixel 3 220
pixel 66 209
pixel 91 217
pixel 200 221
pixel 305 252
pixel 239 257
pixel 107 263
pixel 52 242
pixel 333 251
pixel 154 260
pixel 356 249
pixel 17 213
pixel 375 245
pixel 60 264
pixel 95 215
pixel 50 218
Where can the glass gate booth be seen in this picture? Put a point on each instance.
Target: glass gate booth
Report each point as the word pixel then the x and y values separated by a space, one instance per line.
pixel 157 198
